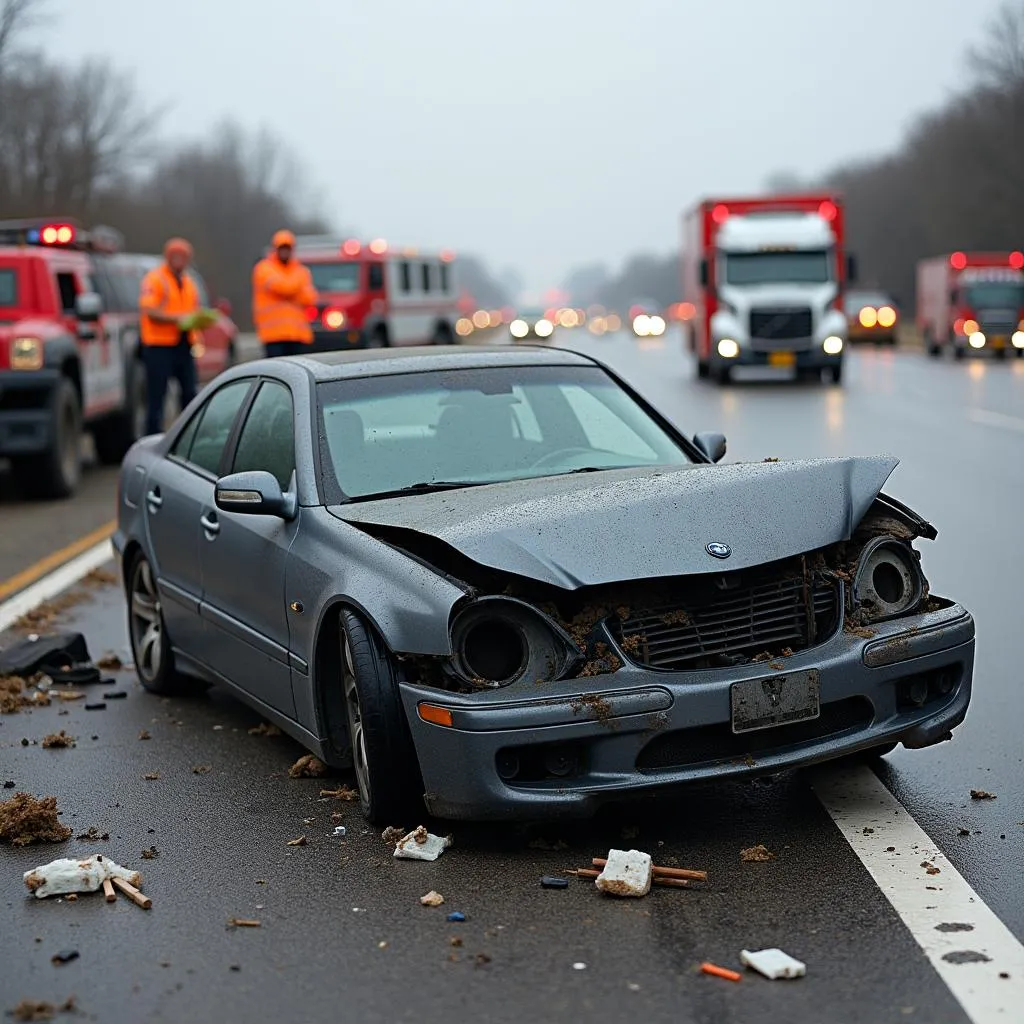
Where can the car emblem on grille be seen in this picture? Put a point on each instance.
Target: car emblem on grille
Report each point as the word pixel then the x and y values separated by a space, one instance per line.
pixel 717 550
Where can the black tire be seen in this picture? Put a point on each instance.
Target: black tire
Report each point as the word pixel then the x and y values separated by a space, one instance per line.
pixel 722 374
pixel 56 472
pixel 959 352
pixel 702 369
pixel 442 335
pixel 383 755
pixel 1020 353
pixel 151 646
pixel 1000 353
pixel 836 373
pixel 377 338
pixel 113 437
pixel 808 375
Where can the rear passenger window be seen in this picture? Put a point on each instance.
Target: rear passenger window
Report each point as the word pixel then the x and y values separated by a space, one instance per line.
pixel 66 288
pixel 215 421
pixel 267 441
pixel 425 271
pixel 406 276
pixel 444 277
pixel 376 277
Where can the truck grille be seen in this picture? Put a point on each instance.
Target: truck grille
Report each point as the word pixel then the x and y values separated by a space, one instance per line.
pixel 998 321
pixel 780 324
pixel 731 628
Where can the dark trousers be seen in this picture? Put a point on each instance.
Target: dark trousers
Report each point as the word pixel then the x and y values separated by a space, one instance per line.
pixel 271 349
pixel 165 363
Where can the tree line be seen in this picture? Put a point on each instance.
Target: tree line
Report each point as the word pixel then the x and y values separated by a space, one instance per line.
pixel 953 183
pixel 80 142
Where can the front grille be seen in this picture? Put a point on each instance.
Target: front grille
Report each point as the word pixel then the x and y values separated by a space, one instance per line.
pixel 998 321
pixel 780 324
pixel 710 743
pixel 725 629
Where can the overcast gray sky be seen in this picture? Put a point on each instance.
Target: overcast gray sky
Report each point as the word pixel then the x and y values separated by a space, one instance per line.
pixel 539 133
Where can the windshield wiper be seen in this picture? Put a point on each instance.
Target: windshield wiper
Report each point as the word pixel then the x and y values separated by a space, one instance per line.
pixel 423 487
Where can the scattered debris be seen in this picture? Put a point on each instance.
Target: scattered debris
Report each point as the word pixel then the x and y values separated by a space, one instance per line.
pixel 151 854
pixel 773 963
pixel 24 820
pixel 202 769
pixel 10 784
pixel 307 767
pixel 243 922
pixel 93 835
pixel 982 794
pixel 579 966
pixel 346 793
pixel 339 831
pixel 264 729
pixel 931 868
pixel 392 834
pixel 626 873
pixel 151 776
pixel 109 662
pixel 33 1010
pixel 454 940
pixel 964 832
pixel 115 695
pixel 66 875
pixel 58 740
pixel 432 899
pixel 108 891
pixel 64 956
pixel 966 956
pixel 97 706
pixel 756 854
pixel 458 917
pixel 720 972
pixel 954 926
pixel 421 845
pixel 144 735
pixel 669 877
pixel 68 694
pixel 553 882
pixel 138 898
pixel 301 841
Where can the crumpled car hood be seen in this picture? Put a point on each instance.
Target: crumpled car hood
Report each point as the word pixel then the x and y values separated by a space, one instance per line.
pixel 587 529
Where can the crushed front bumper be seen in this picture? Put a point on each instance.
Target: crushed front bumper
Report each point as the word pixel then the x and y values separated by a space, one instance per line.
pixel 26 417
pixel 533 751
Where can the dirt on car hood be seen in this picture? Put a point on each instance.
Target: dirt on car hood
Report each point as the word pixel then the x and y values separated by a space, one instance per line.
pixel 587 529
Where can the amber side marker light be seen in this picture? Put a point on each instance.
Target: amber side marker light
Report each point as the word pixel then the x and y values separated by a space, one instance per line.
pixel 434 714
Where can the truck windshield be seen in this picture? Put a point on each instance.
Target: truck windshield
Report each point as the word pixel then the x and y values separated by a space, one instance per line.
pixel 994 295
pixel 809 267
pixel 8 288
pixel 335 277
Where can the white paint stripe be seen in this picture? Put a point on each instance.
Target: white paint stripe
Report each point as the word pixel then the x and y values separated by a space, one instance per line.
pixel 995 419
pixel 857 800
pixel 54 583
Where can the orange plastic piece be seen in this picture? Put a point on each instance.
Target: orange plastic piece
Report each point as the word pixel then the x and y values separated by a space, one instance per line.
pixel 720 972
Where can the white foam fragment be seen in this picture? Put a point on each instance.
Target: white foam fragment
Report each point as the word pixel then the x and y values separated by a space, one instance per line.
pixel 421 845
pixel 773 963
pixel 626 873
pixel 66 875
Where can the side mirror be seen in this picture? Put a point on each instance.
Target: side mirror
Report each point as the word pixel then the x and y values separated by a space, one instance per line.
pixel 255 494
pixel 88 307
pixel 704 276
pixel 223 306
pixel 851 268
pixel 712 445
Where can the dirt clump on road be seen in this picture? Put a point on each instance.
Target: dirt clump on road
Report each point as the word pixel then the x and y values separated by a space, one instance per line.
pixel 58 740
pixel 307 767
pixel 756 854
pixel 25 819
pixel 264 729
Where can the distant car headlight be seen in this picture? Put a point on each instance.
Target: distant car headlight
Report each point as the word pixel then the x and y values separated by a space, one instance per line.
pixel 543 328
pixel 832 345
pixel 886 316
pixel 657 326
pixel 26 354
pixel 642 325
pixel 976 340
pixel 519 328
pixel 497 641
pixel 889 581
pixel 868 317
pixel 728 349
pixel 1018 339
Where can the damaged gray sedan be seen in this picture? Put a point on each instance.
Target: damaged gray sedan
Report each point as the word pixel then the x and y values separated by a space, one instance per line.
pixel 499 584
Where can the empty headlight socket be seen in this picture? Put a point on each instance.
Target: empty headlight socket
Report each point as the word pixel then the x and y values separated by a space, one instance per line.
pixel 889 582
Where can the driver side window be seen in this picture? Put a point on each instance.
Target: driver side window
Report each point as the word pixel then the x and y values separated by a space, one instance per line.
pixel 267 441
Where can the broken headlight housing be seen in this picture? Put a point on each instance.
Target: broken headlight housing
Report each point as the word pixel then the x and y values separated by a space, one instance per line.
pixel 498 641
pixel 889 582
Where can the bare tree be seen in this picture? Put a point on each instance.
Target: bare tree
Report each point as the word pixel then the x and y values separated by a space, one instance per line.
pixel 15 17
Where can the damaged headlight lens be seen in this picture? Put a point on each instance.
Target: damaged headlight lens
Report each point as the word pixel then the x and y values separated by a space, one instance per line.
pixel 497 641
pixel 889 581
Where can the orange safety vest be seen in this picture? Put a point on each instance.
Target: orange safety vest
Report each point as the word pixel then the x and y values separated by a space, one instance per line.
pixel 161 292
pixel 281 292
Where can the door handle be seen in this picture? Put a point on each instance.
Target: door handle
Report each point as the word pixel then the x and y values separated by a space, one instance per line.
pixel 209 525
pixel 153 499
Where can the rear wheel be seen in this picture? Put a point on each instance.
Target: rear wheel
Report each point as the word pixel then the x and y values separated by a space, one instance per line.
pixel 959 351
pixel 703 369
pixel 377 338
pixel 722 374
pixel 442 335
pixel 56 473
pixel 382 751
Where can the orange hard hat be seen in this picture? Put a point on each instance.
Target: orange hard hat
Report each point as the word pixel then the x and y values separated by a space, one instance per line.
pixel 283 238
pixel 177 245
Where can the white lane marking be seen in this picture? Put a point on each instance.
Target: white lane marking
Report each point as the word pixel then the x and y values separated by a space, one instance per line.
pixel 995 419
pixel 857 800
pixel 54 583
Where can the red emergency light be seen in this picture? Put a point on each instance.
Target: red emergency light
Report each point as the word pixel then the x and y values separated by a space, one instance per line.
pixel 1017 260
pixel 447 256
pixel 828 210
pixel 312 313
pixel 352 247
pixel 378 246
pixel 720 214
pixel 57 234
pixel 958 260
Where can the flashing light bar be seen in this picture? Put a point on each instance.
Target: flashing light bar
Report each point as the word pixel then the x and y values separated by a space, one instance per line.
pixel 960 260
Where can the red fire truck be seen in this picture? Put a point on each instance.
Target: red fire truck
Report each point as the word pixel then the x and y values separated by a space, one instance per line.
pixel 373 296
pixel 69 339
pixel 972 301
pixel 765 277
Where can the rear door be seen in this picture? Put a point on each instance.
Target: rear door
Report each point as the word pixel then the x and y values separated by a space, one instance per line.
pixel 244 559
pixel 179 491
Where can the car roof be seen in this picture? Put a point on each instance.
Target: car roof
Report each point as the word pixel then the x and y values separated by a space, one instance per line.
pixel 378 362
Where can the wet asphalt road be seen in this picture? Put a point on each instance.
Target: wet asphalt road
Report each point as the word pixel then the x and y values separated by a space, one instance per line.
pixel 223 834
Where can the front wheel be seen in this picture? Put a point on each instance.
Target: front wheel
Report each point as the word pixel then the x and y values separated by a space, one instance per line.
pixel 382 751
pixel 836 373
pixel 959 352
pixel 56 473
pixel 703 370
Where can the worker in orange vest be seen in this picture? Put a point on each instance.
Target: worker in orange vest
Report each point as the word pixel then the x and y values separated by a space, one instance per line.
pixel 167 299
pixel 282 291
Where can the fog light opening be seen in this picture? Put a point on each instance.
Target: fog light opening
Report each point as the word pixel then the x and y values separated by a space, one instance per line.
pixel 494 651
pixel 507 764
pixel 561 762
pixel 945 682
pixel 917 691
pixel 888 583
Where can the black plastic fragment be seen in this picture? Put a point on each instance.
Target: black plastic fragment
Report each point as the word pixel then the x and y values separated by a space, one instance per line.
pixel 98 706
pixel 64 956
pixel 115 695
pixel 553 882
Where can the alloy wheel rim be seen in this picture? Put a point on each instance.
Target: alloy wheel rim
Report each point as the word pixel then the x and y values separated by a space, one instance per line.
pixel 146 622
pixel 357 735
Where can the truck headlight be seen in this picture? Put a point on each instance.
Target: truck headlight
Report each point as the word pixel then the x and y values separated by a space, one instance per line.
pixel 832 345
pixel 976 340
pixel 26 354
pixel 889 581
pixel 728 349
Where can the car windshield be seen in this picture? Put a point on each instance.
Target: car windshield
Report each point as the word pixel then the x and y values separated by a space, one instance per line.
pixel 335 277
pixel 856 301
pixel 481 425
pixel 8 288
pixel 810 267
pixel 994 295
